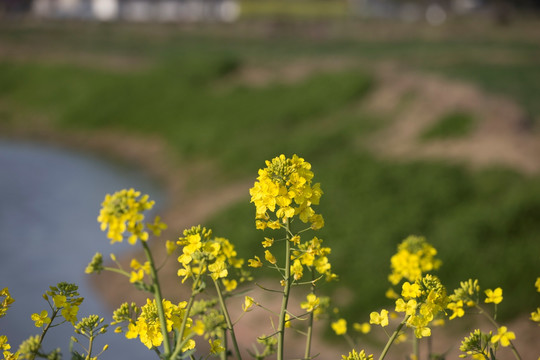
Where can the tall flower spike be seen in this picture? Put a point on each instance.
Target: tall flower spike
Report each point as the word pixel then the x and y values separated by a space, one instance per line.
pixel 285 188
pixel 123 211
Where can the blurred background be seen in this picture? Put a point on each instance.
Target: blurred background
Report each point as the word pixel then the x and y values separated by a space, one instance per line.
pixel 418 117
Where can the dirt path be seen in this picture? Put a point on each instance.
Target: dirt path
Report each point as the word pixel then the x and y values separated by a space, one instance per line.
pixel 503 135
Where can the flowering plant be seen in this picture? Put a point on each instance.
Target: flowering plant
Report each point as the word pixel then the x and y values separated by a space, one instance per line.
pixel 285 199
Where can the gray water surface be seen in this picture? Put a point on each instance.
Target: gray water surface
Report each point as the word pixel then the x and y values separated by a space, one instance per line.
pixel 49 202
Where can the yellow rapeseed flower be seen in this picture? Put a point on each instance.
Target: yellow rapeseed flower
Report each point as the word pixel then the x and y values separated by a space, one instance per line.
pixel 269 257
pixel 248 303
pixel 340 326
pixel 255 263
pixel 353 355
pixel 69 312
pixel 494 296
pixel 311 303
pixel 41 318
pixel 364 328
pixel 409 290
pixel 379 318
pixel 503 336
pixel 535 316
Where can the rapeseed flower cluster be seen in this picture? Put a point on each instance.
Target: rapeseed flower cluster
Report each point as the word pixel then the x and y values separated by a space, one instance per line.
pixel 415 257
pixel 7 300
pixel 353 355
pixel 202 253
pixel 421 302
pixel 477 345
pixel 123 211
pixel 144 322
pixel 285 188
pixel 312 255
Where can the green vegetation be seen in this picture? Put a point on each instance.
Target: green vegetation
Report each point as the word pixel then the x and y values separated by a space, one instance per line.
pixel 452 125
pixel 484 223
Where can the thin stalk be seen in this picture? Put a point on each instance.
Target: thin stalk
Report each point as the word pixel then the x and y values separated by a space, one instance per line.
pixel 33 355
pixel 416 348
pixel 392 339
pixel 286 292
pixel 309 335
pixel 90 344
pixel 228 320
pixel 497 326
pixel 223 355
pixel 159 299
pixel 179 341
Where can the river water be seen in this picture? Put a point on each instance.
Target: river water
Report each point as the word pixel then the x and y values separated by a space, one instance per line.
pixel 49 202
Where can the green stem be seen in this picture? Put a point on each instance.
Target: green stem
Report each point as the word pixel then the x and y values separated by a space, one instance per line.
pixel 179 341
pixel 309 334
pixel 392 339
pixel 33 355
pixel 286 291
pixel 159 299
pixel 416 348
pixel 223 355
pixel 119 271
pixel 228 320
pixel 90 344
pixel 497 326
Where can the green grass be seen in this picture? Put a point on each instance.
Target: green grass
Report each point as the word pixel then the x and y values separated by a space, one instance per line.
pixel 452 125
pixel 484 223
pixel 481 223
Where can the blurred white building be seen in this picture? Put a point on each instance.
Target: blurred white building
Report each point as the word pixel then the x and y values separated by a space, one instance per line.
pixel 139 10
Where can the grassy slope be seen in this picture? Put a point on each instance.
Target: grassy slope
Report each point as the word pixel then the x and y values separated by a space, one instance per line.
pixel 483 223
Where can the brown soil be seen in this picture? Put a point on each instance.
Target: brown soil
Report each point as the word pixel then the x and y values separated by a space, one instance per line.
pixel 411 101
pixel 504 134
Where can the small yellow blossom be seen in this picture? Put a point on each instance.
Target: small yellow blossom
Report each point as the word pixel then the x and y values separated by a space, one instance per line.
pixel 379 318
pixel 503 336
pixel 408 307
pixel 364 328
pixel 267 242
pixel 6 302
pixel 59 300
pixel 297 270
pixel 157 226
pixel 270 257
pixel 198 328
pixel 535 316
pixel 40 319
pixel 248 303
pixel 410 291
pixel 215 346
pixel 4 343
pixel 457 308
pixel 391 294
pixel 136 276
pixel 170 246
pixel 537 284
pixel 287 320
pixel 255 263
pixel 340 326
pixel 230 285
pixel 69 312
pixel 494 296
pixel 353 355
pixel 311 303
